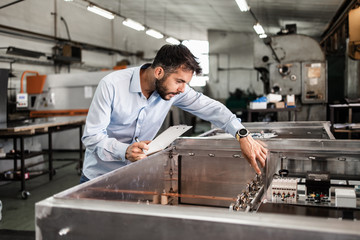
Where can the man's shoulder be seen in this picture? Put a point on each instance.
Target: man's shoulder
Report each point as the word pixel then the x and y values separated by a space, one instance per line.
pixel 122 75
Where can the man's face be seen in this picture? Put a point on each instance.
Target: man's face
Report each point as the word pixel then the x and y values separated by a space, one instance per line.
pixel 170 85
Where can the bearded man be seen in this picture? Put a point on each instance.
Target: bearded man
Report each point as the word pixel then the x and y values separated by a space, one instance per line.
pixel 132 104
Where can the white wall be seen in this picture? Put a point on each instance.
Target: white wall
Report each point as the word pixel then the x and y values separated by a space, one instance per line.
pixel 231 63
pixel 84 26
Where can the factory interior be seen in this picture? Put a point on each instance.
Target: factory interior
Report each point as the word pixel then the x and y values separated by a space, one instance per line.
pixel 288 73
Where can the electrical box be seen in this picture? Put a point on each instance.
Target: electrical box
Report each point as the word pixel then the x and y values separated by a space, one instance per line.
pixel 314 82
pixel 22 100
pixel 318 186
pixel 67 54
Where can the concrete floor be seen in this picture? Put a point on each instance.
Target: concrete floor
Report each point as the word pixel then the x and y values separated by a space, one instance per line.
pixel 19 214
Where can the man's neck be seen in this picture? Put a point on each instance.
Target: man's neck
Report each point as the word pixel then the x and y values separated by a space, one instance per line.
pixel 147 81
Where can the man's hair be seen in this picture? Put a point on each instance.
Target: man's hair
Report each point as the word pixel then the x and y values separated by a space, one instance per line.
pixel 171 57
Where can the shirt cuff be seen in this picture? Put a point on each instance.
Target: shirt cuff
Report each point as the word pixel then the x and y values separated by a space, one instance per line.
pixel 234 126
pixel 120 150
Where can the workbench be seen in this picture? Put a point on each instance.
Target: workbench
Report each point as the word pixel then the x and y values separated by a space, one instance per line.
pixel 273 110
pixel 31 128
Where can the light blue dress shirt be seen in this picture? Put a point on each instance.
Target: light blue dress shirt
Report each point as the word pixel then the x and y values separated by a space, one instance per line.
pixel 119 112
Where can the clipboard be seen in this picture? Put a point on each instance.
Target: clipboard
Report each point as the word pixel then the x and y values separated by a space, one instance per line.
pixel 166 138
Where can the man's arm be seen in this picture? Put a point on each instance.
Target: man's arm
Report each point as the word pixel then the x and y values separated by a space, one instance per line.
pixel 95 136
pixel 219 115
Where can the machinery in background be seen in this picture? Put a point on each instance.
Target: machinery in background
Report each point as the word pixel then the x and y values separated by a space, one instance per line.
pixel 294 64
pixel 34 85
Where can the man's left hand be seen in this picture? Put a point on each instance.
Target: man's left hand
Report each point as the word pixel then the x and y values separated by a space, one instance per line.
pixel 253 152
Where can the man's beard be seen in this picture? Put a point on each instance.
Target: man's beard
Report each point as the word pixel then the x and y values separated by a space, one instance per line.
pixel 162 89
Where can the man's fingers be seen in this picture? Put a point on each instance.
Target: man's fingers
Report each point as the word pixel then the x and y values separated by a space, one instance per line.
pixel 141 145
pixel 255 167
pixel 262 159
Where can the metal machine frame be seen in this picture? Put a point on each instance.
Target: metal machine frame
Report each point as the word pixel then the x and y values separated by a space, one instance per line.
pixel 196 179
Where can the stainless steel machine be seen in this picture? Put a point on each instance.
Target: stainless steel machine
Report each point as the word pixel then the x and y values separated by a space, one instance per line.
pixel 202 188
pixel 264 130
pixel 294 65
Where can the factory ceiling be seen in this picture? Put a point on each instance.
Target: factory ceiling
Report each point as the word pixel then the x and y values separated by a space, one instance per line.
pixel 190 19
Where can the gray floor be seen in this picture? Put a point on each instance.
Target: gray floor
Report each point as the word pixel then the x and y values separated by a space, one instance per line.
pixel 19 214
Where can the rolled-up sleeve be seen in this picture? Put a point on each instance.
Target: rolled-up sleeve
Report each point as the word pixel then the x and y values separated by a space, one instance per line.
pixel 95 137
pixel 209 109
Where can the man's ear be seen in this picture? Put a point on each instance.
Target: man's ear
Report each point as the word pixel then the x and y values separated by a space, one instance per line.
pixel 159 72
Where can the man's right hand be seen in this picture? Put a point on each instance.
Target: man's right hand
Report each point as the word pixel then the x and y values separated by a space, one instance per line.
pixel 135 151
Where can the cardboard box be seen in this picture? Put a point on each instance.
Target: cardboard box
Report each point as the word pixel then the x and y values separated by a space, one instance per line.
pixel 290 100
pixel 280 105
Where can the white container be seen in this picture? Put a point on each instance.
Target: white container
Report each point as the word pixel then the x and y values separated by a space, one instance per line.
pixel 258 105
pixel 345 198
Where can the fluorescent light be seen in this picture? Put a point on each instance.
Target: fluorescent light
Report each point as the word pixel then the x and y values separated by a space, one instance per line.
pixel 244 7
pixel 155 34
pixel 172 40
pixel 259 29
pixel 100 12
pixel 134 25
pixel 263 36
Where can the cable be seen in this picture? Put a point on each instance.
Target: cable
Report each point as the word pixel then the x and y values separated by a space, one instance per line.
pixel 66 26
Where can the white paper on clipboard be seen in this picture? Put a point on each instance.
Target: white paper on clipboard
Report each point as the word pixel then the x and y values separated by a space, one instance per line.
pixel 166 138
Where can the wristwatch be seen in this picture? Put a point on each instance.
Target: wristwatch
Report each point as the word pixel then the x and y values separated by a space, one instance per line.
pixel 241 133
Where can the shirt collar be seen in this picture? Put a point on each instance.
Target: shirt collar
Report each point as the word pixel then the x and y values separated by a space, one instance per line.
pixel 135 85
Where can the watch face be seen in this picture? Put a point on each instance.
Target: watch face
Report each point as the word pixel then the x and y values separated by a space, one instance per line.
pixel 243 132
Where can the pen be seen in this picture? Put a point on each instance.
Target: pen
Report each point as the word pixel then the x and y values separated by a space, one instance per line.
pixel 137 140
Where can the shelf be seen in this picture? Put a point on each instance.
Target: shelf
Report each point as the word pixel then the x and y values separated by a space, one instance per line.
pixel 10 156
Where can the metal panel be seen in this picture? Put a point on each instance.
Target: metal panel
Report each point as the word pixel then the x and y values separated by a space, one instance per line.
pixel 308 129
pixel 4 77
pixel 314 87
pixel 287 81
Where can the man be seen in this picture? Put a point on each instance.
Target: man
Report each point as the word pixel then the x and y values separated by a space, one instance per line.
pixel 132 104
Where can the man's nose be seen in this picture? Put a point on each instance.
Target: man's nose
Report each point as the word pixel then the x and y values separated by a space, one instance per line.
pixel 182 88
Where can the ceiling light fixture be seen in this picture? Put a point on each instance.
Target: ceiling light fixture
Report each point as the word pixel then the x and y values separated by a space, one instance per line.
pixel 244 7
pixel 100 12
pixel 173 40
pixel 134 25
pixel 259 29
pixel 154 33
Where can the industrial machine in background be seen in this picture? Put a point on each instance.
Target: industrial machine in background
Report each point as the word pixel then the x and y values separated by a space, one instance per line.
pixel 43 96
pixel 294 64
pixel 204 188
